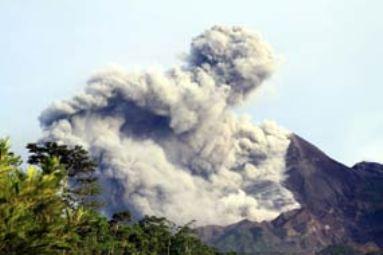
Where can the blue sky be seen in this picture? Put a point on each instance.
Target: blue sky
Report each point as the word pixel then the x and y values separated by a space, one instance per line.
pixel 328 88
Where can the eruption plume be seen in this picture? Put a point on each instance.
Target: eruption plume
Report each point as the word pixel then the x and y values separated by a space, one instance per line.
pixel 168 144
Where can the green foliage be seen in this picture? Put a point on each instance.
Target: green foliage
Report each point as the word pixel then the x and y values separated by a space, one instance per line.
pixel 36 217
pixel 30 206
pixel 79 167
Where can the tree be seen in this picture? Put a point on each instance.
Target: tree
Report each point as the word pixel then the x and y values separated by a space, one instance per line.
pixel 30 207
pixel 83 187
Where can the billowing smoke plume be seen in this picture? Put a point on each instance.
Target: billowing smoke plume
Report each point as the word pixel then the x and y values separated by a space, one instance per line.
pixel 167 144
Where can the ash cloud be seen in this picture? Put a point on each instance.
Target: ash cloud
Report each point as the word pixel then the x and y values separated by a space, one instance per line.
pixel 168 143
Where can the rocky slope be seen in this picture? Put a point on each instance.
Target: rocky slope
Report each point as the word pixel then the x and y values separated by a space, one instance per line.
pixel 340 205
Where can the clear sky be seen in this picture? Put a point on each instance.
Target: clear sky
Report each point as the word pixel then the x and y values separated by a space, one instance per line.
pixel 328 88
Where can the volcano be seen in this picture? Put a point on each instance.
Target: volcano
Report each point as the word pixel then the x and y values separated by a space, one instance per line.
pixel 340 207
pixel 170 143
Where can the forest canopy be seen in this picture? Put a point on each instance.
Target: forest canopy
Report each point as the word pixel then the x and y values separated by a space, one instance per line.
pixel 50 207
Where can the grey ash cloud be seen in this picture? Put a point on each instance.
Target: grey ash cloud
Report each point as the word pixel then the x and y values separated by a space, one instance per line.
pixel 168 143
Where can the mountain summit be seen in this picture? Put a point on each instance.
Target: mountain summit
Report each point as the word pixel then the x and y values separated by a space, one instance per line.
pixel 339 206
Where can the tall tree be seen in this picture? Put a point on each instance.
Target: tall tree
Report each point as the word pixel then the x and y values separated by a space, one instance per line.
pixel 83 188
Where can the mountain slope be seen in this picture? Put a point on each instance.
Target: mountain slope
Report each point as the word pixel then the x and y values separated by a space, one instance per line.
pixel 340 205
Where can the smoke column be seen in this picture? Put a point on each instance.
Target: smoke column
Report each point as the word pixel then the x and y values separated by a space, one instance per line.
pixel 168 144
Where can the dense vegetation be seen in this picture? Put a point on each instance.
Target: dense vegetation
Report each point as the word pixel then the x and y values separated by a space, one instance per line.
pixel 50 208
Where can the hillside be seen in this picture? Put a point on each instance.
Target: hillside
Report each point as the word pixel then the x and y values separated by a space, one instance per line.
pixel 340 205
